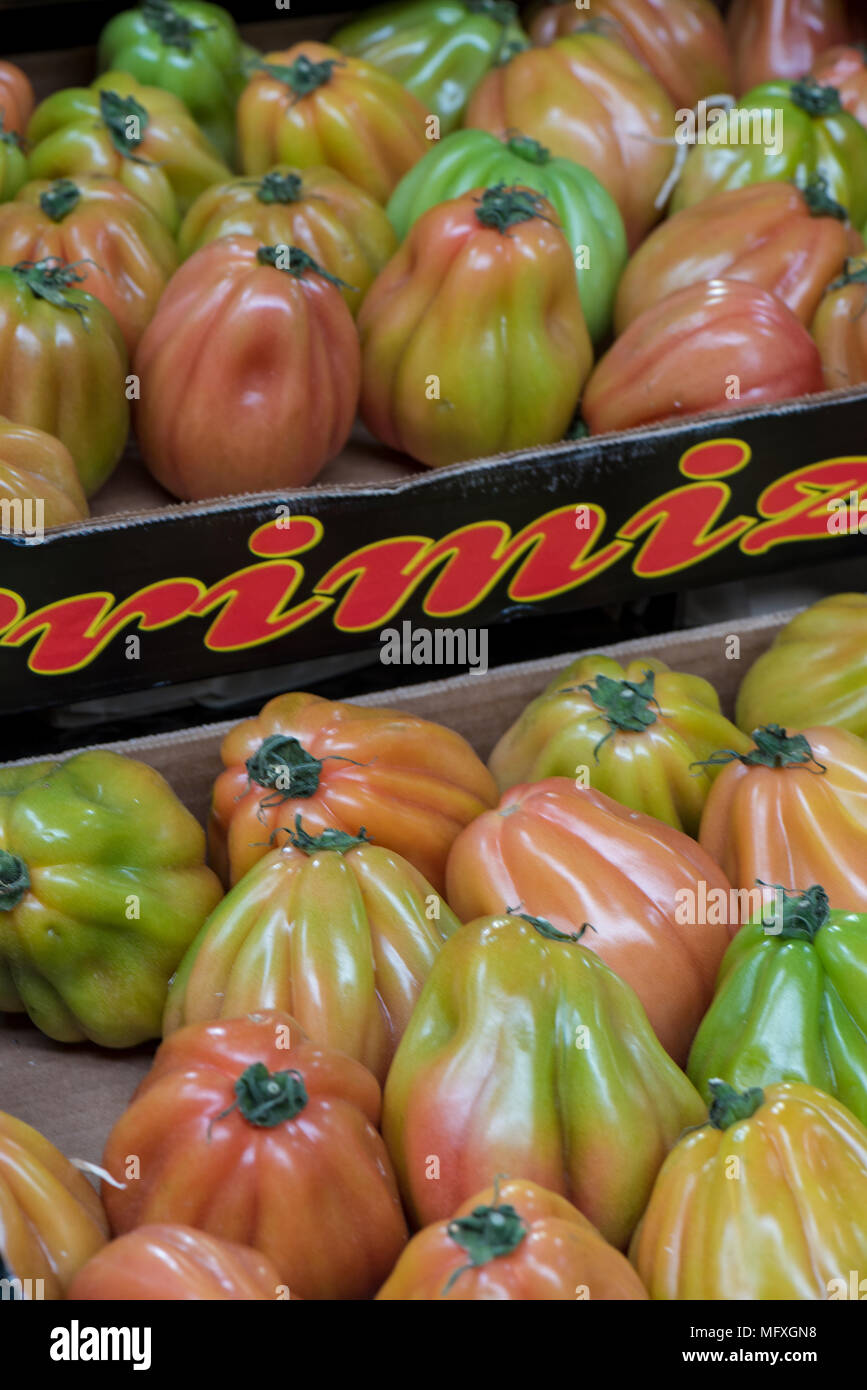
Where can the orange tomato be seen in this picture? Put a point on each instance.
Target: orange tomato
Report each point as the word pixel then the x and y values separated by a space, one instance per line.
pixel 34 466
pixel 839 327
pixel 515 1240
pixel 845 68
pixel 16 98
pixel 164 1262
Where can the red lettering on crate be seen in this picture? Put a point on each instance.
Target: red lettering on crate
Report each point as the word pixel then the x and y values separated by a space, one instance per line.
pixel 798 503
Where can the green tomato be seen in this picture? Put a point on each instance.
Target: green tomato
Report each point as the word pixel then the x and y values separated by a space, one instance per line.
pixel 186 47
pixel 811 133
pixel 439 49
pixel 589 215
pixel 13 164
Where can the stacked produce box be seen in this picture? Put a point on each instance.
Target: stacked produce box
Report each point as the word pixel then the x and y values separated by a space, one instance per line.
pixel 544 983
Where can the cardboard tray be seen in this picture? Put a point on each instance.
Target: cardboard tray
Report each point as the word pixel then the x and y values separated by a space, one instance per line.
pixel 74 1094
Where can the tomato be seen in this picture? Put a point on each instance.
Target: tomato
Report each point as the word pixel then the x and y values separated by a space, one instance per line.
pixel 669 362
pixel 792 1223
pixel 760 820
pixel 773 235
pixel 587 99
pixel 526 1056
pixel 636 732
pixel 249 372
pixel 815 672
pixel 682 42
pixel 103 885
pixel 174 1263
pixel 791 1003
pixel 16 98
pixel 51 1220
pixel 13 162
pixel 141 136
pixel 438 49
pixel 123 252
pixel 186 47
pixel 782 38
pixel 411 784
pixel 248 1131
pixel 310 106
pixel 571 855
pixel 845 68
pixel 588 214
pixel 786 131
pixel 318 210
pixel 839 330
pixel 514 1240
pixel 444 386
pixel 332 929
pixel 35 467
pixel 63 365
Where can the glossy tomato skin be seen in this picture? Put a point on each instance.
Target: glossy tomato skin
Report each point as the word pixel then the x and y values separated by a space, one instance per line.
pixel 814 673
pixel 186 47
pixel 16 98
pixel 175 1263
pixel 13 163
pixel 571 855
pixel 845 68
pixel 839 330
pixel 682 42
pixel 559 1255
pixel 439 50
pixel 85 130
pixel 782 38
pixel 760 822
pixel 343 940
pixel 791 1227
pixel 123 251
pixel 588 214
pixel 51 1220
pixel 314 1191
pixel 491 1078
pixel 640 730
pixel 63 368
pixel 668 362
pixel 766 234
pixel 587 99
pixel 791 1004
pixel 309 105
pixel 33 465
pixel 413 785
pixel 249 374
pixel 811 133
pixel 507 377
pixel 343 228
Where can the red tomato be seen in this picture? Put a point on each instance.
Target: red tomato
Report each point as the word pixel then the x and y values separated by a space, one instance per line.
pixel 840 328
pixel 782 38
pixel 845 68
pixel 717 345
pixel 16 98
pixel 174 1263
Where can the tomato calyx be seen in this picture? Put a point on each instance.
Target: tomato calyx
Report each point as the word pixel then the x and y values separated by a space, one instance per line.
pixel 283 764
pixel 14 880
pixel 303 76
pixel 267 1099
pixel 10 137
pixel 294 261
pixel 486 1234
pixel 60 199
pixel 525 147
pixel 773 747
pixel 854 273
pixel 279 188
pixel 329 839
pixel 814 98
pixel 53 280
pixel 728 1105
pixel 172 28
pixel 505 12
pixel 802 915
pixel 547 929
pixel 500 207
pixel 126 121
pixel 626 705
pixel 818 198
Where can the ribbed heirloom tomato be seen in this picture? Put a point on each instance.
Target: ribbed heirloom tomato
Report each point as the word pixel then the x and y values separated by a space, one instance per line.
pixel 782 239
pixel 682 42
pixel 16 98
pixel 36 467
pixel 248 1131
pixel 175 1263
pixel 514 1240
pixel 444 385
pixel 411 784
pixel 586 98
pixel 782 38
pixel 570 855
pixel 845 69
pixel 249 372
pixel 123 252
pixel 310 105
pixel 316 209
pixel 670 360
pixel 839 327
